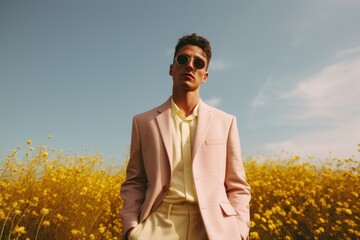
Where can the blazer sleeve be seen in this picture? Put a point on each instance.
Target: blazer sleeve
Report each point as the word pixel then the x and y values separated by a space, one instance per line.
pixel 238 190
pixel 134 187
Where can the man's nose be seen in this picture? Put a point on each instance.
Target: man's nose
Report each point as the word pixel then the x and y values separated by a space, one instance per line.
pixel 190 64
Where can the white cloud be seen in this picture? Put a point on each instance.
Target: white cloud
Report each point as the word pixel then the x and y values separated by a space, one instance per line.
pixel 348 52
pixel 341 140
pixel 333 93
pixel 218 65
pixel 213 101
pixel 261 98
pixel 328 102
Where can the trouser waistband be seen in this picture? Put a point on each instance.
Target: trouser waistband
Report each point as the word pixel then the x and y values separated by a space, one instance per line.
pixel 179 209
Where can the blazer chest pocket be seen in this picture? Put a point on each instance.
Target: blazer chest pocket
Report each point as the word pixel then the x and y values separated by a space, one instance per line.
pixel 227 209
pixel 215 142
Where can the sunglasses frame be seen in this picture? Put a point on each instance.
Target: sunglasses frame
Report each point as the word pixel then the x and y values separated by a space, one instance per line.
pixel 195 59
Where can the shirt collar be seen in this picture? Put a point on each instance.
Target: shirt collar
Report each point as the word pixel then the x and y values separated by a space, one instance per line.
pixel 175 110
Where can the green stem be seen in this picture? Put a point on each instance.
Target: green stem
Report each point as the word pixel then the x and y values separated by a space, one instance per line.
pixel 3 227
pixel 38 229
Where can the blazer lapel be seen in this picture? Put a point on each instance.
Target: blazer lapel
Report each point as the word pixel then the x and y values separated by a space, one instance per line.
pixel 164 124
pixel 203 123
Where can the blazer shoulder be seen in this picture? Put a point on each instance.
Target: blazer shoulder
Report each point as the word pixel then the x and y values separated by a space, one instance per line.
pixel 220 113
pixel 152 113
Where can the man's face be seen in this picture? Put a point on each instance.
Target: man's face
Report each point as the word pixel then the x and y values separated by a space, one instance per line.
pixel 189 77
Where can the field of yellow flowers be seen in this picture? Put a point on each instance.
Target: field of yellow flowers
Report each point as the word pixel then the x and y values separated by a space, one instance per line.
pixel 46 194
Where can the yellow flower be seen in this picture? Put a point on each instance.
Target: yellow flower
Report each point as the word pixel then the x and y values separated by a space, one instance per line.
pixel 45 211
pixel 19 230
pixel 102 229
pixel 79 187
pixel 60 217
pixel 28 142
pixel 46 223
pixel 348 211
pixel 254 235
pixel 2 214
pixel 272 226
pixel 294 222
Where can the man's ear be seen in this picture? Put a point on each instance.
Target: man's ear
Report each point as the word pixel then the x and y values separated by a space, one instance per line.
pixel 171 70
pixel 205 77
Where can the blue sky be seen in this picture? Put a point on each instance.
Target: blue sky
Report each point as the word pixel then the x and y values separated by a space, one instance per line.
pixel 80 70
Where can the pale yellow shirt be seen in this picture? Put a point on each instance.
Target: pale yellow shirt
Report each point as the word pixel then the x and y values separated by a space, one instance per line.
pixel 183 131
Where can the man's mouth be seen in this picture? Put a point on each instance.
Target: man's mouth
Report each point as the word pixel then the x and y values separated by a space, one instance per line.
pixel 188 75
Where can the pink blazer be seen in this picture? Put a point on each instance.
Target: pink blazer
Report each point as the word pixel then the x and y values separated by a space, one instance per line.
pixel 219 175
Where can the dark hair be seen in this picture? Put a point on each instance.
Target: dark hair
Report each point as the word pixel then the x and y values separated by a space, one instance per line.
pixel 195 40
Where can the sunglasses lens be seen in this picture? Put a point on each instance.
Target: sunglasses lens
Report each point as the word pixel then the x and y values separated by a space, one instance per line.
pixel 199 63
pixel 182 59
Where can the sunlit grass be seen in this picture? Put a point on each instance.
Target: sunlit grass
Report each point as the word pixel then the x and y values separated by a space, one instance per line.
pixel 48 195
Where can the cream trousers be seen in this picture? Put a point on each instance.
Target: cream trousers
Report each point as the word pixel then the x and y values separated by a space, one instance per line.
pixel 171 222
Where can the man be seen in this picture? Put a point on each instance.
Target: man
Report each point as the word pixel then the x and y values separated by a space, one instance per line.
pixel 185 178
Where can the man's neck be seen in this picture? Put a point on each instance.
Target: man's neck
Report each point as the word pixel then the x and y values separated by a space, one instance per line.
pixel 186 102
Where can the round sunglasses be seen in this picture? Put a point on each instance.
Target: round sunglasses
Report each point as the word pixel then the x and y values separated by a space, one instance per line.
pixel 184 59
